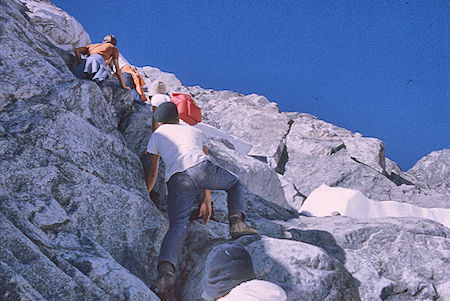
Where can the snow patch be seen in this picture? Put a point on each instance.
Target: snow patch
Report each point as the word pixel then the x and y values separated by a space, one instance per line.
pixel 326 201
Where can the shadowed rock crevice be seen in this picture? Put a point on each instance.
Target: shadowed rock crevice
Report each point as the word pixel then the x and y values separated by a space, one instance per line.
pixel 398 180
pixel 338 148
pixel 322 239
pixel 284 158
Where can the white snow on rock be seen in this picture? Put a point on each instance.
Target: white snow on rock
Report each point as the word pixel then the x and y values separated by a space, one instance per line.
pixel 211 132
pixel 326 201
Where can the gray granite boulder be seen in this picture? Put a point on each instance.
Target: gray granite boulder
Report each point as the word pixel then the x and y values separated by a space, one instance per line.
pixel 432 171
pixel 150 74
pixel 246 117
pixel 320 153
pixel 60 28
pixel 258 177
pixel 390 258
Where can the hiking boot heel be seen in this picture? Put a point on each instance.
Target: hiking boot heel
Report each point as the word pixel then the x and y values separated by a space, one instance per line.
pixel 238 228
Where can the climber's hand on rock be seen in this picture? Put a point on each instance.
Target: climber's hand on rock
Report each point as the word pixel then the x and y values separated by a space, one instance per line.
pixel 205 208
pixel 205 212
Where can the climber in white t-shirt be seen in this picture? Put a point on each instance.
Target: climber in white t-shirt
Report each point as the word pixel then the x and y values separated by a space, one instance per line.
pixel 188 172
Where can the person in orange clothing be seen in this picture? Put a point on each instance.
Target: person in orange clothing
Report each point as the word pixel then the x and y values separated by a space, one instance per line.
pixel 94 66
pixel 131 77
pixel 137 79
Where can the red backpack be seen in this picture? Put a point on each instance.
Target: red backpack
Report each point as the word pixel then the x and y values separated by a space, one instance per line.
pixel 187 108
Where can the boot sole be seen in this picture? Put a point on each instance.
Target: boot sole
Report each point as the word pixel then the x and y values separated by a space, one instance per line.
pixel 163 295
pixel 240 234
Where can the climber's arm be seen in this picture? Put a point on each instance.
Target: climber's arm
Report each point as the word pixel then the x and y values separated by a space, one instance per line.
pixel 206 207
pixel 152 172
pixel 119 74
pixel 79 51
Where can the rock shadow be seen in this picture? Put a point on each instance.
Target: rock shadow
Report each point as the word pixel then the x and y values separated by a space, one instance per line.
pixel 322 239
pixel 189 284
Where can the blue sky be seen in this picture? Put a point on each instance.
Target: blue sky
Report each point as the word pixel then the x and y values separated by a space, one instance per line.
pixel 381 68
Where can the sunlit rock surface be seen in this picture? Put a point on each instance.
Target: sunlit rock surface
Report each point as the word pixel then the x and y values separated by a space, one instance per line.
pixel 76 221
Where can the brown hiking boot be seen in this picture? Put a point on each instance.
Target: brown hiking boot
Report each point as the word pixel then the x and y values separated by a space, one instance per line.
pixel 238 228
pixel 165 283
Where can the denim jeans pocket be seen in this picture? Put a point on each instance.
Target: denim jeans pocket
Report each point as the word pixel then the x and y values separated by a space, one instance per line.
pixel 180 181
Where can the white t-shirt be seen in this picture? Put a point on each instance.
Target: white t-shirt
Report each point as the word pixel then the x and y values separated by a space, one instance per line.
pixel 180 146
pixel 255 290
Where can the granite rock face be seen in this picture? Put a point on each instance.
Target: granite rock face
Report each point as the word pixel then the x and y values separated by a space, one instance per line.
pixel 76 220
pixel 60 28
pixel 431 173
pixel 246 117
pixel 309 152
pixel 151 73
pixel 77 223
pixel 386 257
pixel 339 258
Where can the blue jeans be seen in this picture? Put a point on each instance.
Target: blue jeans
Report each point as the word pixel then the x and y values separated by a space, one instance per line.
pixel 183 188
